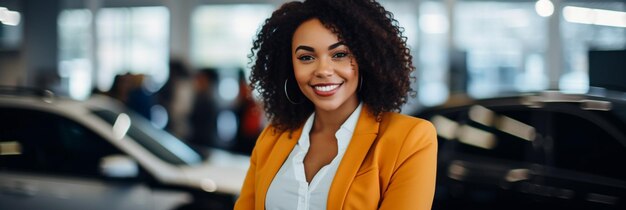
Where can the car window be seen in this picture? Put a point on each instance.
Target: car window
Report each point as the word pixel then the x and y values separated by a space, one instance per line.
pixel 44 142
pixel 158 142
pixel 496 132
pixel 582 145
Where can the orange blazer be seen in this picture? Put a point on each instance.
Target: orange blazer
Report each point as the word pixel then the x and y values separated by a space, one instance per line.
pixel 389 164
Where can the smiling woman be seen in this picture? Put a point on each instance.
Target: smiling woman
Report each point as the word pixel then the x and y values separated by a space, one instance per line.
pixel 334 141
pixel 326 72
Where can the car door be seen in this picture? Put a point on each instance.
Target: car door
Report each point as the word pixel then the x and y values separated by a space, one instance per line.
pixel 51 162
pixel 587 155
pixel 485 152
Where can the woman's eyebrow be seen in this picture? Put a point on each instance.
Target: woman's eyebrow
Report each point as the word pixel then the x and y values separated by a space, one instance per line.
pixel 333 46
pixel 307 48
pixel 302 47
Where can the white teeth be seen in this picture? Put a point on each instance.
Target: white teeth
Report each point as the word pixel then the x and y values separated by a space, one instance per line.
pixel 326 88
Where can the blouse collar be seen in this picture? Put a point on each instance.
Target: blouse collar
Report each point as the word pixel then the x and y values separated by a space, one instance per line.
pixel 343 135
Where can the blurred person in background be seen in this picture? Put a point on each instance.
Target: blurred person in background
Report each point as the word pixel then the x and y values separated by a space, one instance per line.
pixel 139 98
pixel 249 117
pixel 128 89
pixel 203 117
pixel 176 96
pixel 332 75
pixel 120 88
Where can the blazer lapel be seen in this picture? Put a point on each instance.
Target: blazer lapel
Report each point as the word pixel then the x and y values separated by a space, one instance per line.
pixel 364 135
pixel 284 145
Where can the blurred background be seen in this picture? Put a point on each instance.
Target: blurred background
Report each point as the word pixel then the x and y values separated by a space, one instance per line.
pixel 473 47
pixel 182 66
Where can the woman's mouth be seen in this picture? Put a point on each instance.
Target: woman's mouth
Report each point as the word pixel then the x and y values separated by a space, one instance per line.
pixel 326 89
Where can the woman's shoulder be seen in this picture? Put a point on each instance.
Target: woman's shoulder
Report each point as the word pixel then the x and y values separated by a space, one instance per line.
pixel 270 135
pixel 393 119
pixel 396 125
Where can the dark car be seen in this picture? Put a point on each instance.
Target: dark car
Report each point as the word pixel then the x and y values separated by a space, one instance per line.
pixel 547 150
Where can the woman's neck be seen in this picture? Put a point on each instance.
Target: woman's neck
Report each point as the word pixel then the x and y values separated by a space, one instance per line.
pixel 330 121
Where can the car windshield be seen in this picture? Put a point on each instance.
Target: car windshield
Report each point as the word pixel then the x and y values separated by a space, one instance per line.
pixel 158 142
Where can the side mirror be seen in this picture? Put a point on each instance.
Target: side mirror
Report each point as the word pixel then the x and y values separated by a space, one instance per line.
pixel 119 166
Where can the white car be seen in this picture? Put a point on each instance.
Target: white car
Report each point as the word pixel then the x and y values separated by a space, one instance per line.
pixel 59 153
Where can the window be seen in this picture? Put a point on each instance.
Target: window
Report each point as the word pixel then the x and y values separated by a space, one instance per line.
pixel 580 34
pixel 75 51
pixel 432 54
pixel 133 40
pixel 507 133
pixel 505 44
pixel 222 35
pixel 158 142
pixel 127 40
pixel 504 134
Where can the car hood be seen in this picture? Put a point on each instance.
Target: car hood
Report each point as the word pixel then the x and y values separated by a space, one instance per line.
pixel 222 172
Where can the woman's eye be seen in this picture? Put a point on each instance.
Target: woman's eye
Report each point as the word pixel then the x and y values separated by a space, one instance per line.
pixel 305 58
pixel 340 55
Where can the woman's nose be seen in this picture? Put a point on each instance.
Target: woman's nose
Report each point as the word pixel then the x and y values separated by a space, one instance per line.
pixel 324 68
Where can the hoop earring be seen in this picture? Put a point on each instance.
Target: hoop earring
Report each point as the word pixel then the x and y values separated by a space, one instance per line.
pixel 286 94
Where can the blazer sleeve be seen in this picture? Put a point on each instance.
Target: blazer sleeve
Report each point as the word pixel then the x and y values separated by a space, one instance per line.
pixel 246 197
pixel 412 185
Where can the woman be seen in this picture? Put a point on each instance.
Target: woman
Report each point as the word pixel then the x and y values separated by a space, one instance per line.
pixel 331 74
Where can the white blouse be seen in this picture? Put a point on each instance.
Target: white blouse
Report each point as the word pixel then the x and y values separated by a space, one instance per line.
pixel 289 189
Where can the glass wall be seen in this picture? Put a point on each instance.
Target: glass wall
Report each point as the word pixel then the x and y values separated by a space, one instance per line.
pixel 478 48
pixel 133 40
pixel 221 38
pixel 589 25
pixel 75 52
pixel 127 40
pixel 221 35
pixel 433 53
pixel 505 45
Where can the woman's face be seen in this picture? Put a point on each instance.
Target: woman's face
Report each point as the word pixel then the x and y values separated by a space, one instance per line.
pixel 324 67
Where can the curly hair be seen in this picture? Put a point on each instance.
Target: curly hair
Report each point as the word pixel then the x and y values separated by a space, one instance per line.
pixel 370 32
